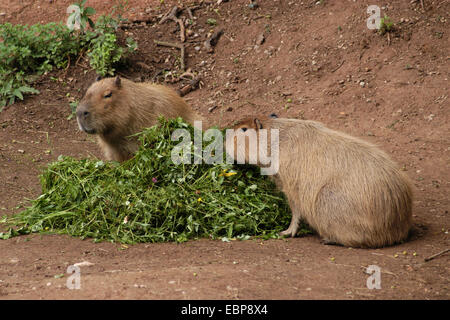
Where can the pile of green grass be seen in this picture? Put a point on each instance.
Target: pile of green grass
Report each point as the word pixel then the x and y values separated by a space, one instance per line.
pixel 150 199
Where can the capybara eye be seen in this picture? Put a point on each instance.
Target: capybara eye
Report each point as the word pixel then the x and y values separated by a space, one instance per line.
pixel 108 95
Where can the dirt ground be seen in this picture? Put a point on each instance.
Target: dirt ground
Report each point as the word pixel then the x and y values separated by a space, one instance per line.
pixel 318 61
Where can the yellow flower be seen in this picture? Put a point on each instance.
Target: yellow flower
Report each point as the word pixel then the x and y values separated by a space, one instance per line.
pixel 199 199
pixel 227 174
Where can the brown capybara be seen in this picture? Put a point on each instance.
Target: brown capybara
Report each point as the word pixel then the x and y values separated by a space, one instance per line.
pixel 346 189
pixel 115 108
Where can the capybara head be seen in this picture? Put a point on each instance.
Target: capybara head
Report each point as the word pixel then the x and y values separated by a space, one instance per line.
pixel 239 143
pixel 248 123
pixel 96 111
pixel 254 142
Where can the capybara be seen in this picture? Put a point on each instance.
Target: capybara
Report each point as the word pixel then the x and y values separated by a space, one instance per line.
pixel 346 189
pixel 115 108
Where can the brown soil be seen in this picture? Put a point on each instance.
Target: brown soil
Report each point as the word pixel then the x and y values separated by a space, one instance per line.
pixel 318 61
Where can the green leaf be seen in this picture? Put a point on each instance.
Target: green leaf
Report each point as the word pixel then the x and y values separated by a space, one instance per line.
pixel 89 11
pixel 18 94
pixel 211 21
pixel 91 23
pixel 28 89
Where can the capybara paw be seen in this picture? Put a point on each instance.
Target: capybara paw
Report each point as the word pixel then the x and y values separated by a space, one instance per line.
pixel 288 233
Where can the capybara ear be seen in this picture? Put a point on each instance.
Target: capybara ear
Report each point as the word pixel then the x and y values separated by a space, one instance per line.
pixel 273 115
pixel 98 78
pixel 258 124
pixel 117 81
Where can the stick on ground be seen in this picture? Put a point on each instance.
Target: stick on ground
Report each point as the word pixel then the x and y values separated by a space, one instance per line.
pixel 174 45
pixel 212 41
pixel 188 88
pixel 436 255
pixel 172 15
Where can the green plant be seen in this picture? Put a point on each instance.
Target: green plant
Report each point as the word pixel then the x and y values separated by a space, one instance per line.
pixel 73 107
pixel 151 199
pixel 83 14
pixel 29 51
pixel 104 54
pixel 211 21
pixel 104 51
pixel 13 87
pixel 386 25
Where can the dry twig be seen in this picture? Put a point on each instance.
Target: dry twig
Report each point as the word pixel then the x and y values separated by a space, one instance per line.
pixel 190 87
pixel 172 15
pixel 174 45
pixel 436 255
pixel 212 41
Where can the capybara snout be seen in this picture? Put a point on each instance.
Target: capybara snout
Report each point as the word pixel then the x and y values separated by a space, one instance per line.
pixel 83 119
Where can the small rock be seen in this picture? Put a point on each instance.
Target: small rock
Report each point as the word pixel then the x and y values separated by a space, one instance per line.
pixel 260 40
pixel 83 264
pixel 253 5
pixel 229 109
pixel 197 48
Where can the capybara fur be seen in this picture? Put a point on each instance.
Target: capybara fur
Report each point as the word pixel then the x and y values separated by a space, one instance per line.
pixel 115 108
pixel 346 189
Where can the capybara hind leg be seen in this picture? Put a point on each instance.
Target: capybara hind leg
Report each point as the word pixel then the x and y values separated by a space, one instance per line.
pixel 293 227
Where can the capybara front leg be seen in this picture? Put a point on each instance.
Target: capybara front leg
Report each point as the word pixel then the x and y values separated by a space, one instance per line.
pixel 293 227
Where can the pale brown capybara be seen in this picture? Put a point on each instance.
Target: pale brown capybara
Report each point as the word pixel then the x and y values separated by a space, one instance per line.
pixel 115 108
pixel 346 189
